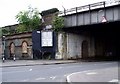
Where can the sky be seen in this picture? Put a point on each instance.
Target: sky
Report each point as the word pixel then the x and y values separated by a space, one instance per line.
pixel 10 8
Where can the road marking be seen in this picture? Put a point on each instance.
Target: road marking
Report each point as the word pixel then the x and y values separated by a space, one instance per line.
pixel 114 80
pixel 91 73
pixel 30 61
pixel 30 69
pixel 25 80
pixel 53 77
pixel 39 78
pixel 68 77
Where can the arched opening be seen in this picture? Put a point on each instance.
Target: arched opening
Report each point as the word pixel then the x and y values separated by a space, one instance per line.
pixel 24 49
pixel 85 49
pixel 12 49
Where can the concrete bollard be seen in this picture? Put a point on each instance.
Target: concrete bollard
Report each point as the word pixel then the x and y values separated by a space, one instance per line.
pixel 14 58
pixel 3 59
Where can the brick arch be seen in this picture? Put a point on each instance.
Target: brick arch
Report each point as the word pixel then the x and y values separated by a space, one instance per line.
pixel 12 49
pixel 24 47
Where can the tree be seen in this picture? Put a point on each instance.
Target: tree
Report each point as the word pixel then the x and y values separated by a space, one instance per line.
pixel 58 23
pixel 29 20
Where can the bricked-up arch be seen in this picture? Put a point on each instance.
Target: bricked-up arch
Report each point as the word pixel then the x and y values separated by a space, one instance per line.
pixel 24 47
pixel 12 49
pixel 85 49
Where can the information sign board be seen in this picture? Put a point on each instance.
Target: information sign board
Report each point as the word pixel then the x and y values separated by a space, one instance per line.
pixel 47 38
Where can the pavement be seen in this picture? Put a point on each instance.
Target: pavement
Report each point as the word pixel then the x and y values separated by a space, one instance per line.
pixel 17 63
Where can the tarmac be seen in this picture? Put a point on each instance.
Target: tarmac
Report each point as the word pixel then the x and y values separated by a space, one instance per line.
pixel 84 76
pixel 99 76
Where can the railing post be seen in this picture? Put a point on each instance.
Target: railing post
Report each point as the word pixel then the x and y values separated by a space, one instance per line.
pixel 64 12
pixel 76 9
pixel 104 9
pixel 90 13
pixel 76 17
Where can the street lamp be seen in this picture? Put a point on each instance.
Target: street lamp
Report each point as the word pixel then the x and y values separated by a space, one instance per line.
pixel 3 48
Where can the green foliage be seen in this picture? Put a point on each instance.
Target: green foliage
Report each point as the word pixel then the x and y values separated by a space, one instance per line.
pixel 50 11
pixel 58 23
pixel 5 31
pixel 29 20
pixel 21 28
pixel 0 32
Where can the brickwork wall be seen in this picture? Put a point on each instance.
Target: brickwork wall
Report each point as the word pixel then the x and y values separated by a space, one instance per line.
pixel 18 39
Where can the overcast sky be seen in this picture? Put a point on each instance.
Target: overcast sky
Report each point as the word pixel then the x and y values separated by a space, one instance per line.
pixel 10 8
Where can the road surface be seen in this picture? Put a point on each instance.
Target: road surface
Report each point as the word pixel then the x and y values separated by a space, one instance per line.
pixel 53 73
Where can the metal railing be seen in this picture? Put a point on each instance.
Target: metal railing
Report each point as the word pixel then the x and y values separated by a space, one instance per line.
pixel 89 7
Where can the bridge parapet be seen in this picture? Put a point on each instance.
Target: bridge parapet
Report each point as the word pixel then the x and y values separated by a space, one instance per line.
pixel 89 7
pixel 92 14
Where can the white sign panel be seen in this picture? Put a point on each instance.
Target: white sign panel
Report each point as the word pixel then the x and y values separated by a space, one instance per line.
pixel 47 38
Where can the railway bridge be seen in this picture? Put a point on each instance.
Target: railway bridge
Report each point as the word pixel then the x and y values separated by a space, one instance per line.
pixel 91 31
